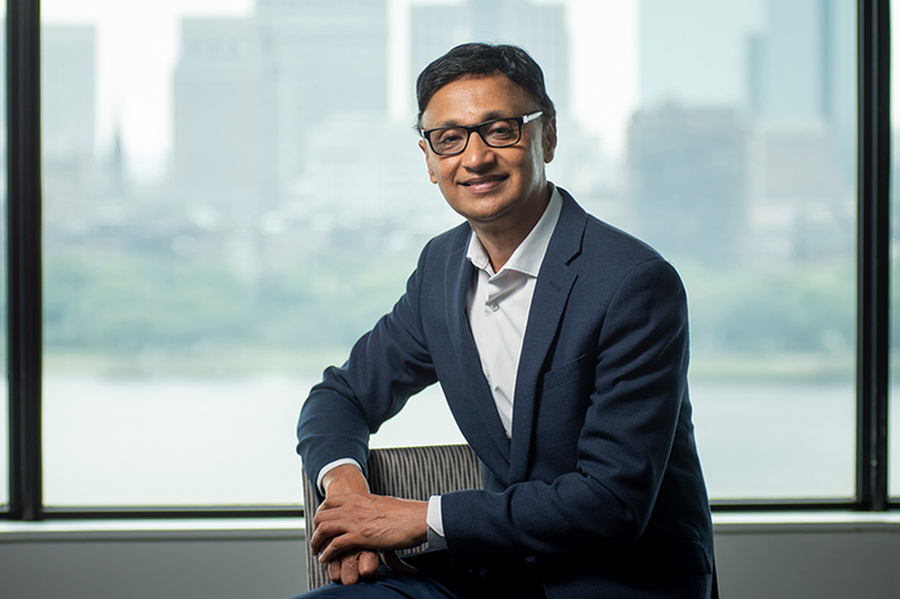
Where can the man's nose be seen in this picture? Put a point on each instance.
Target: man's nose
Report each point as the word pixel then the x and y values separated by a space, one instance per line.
pixel 477 152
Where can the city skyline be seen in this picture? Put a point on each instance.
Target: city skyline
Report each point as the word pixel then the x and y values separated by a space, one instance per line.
pixel 264 106
pixel 138 51
pixel 134 105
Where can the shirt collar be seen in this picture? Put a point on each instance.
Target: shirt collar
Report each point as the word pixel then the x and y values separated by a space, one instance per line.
pixel 526 258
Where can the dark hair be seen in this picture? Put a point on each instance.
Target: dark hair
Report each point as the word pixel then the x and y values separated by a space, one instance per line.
pixel 484 59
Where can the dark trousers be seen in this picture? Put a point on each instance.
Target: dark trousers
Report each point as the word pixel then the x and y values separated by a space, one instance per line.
pixel 436 579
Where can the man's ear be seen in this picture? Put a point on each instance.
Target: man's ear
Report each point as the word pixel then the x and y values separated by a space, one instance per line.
pixel 549 139
pixel 427 161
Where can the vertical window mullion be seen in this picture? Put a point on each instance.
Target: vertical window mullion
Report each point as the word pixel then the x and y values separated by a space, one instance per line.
pixel 24 257
pixel 874 252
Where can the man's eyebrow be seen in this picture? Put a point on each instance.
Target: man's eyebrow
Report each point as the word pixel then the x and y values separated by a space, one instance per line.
pixel 489 116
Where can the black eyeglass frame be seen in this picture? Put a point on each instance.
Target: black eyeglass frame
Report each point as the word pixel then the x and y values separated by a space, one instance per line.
pixel 520 121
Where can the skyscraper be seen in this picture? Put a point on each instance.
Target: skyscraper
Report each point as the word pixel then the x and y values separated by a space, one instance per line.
pixel 804 71
pixel 787 68
pixel 686 170
pixel 67 120
pixel 249 91
pixel 692 52
pixel 67 95
pixel 327 58
pixel 539 28
pixel 224 129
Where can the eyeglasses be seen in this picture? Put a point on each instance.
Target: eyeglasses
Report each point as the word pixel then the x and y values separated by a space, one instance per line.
pixel 498 133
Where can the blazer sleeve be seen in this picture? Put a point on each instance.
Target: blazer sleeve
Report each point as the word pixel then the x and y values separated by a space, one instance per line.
pixel 623 447
pixel 385 367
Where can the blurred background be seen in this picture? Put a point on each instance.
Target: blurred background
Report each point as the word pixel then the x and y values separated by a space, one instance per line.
pixel 233 194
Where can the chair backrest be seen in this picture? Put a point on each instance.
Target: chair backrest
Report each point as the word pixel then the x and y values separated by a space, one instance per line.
pixel 406 472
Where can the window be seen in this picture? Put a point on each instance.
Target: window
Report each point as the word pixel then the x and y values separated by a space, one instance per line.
pixel 215 234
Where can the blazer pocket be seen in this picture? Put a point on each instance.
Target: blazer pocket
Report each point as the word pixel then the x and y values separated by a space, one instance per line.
pixel 569 373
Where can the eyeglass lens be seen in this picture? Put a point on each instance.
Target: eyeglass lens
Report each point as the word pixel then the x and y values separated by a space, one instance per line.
pixel 497 134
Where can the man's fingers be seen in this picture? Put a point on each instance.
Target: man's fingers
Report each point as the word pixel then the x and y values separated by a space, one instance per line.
pixel 321 536
pixel 334 570
pixel 350 568
pixel 368 564
pixel 334 548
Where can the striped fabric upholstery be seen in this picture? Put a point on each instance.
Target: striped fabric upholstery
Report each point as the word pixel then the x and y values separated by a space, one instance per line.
pixel 409 473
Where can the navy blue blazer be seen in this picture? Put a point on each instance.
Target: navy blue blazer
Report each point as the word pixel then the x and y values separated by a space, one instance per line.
pixel 600 487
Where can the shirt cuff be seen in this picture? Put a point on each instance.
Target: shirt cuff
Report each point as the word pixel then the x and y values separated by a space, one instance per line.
pixel 331 466
pixel 435 523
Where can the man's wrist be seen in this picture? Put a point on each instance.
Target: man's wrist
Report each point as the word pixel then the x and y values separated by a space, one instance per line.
pixel 344 479
pixel 320 478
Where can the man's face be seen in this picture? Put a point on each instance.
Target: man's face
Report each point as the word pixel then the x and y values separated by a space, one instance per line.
pixel 502 186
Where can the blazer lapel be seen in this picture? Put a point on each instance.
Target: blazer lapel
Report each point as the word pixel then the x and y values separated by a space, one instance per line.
pixel 551 293
pixel 478 399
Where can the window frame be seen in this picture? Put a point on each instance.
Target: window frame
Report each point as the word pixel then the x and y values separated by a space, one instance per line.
pixel 24 287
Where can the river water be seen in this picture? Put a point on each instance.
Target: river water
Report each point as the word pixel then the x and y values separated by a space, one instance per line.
pixel 231 441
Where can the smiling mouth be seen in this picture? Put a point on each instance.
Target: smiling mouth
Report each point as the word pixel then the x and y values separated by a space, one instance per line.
pixel 484 181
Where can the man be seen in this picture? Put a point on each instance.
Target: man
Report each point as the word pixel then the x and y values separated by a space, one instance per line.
pixel 561 345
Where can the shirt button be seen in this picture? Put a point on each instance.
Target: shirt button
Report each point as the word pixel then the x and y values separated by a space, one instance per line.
pixel 493 306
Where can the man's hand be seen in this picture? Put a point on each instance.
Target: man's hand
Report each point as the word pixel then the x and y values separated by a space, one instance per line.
pixel 363 521
pixel 351 566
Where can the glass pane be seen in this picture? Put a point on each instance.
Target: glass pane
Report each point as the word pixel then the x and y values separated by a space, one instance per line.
pixel 214 236
pixel 741 169
pixel 4 393
pixel 216 233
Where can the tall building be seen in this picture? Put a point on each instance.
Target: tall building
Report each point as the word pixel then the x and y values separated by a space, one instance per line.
pixel 788 69
pixel 686 172
pixel 224 125
pixel 803 67
pixel 379 177
pixel 248 92
pixel 775 59
pixel 800 210
pixel 692 52
pixel 67 94
pixel 328 58
pixel 539 28
pixel 68 54
pixel 802 75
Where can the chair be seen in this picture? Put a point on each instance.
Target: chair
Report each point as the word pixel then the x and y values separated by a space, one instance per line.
pixel 411 473
pixel 406 472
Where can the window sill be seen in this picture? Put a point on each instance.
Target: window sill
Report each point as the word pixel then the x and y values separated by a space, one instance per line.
pixel 199 529
pixel 805 522
pixel 294 529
